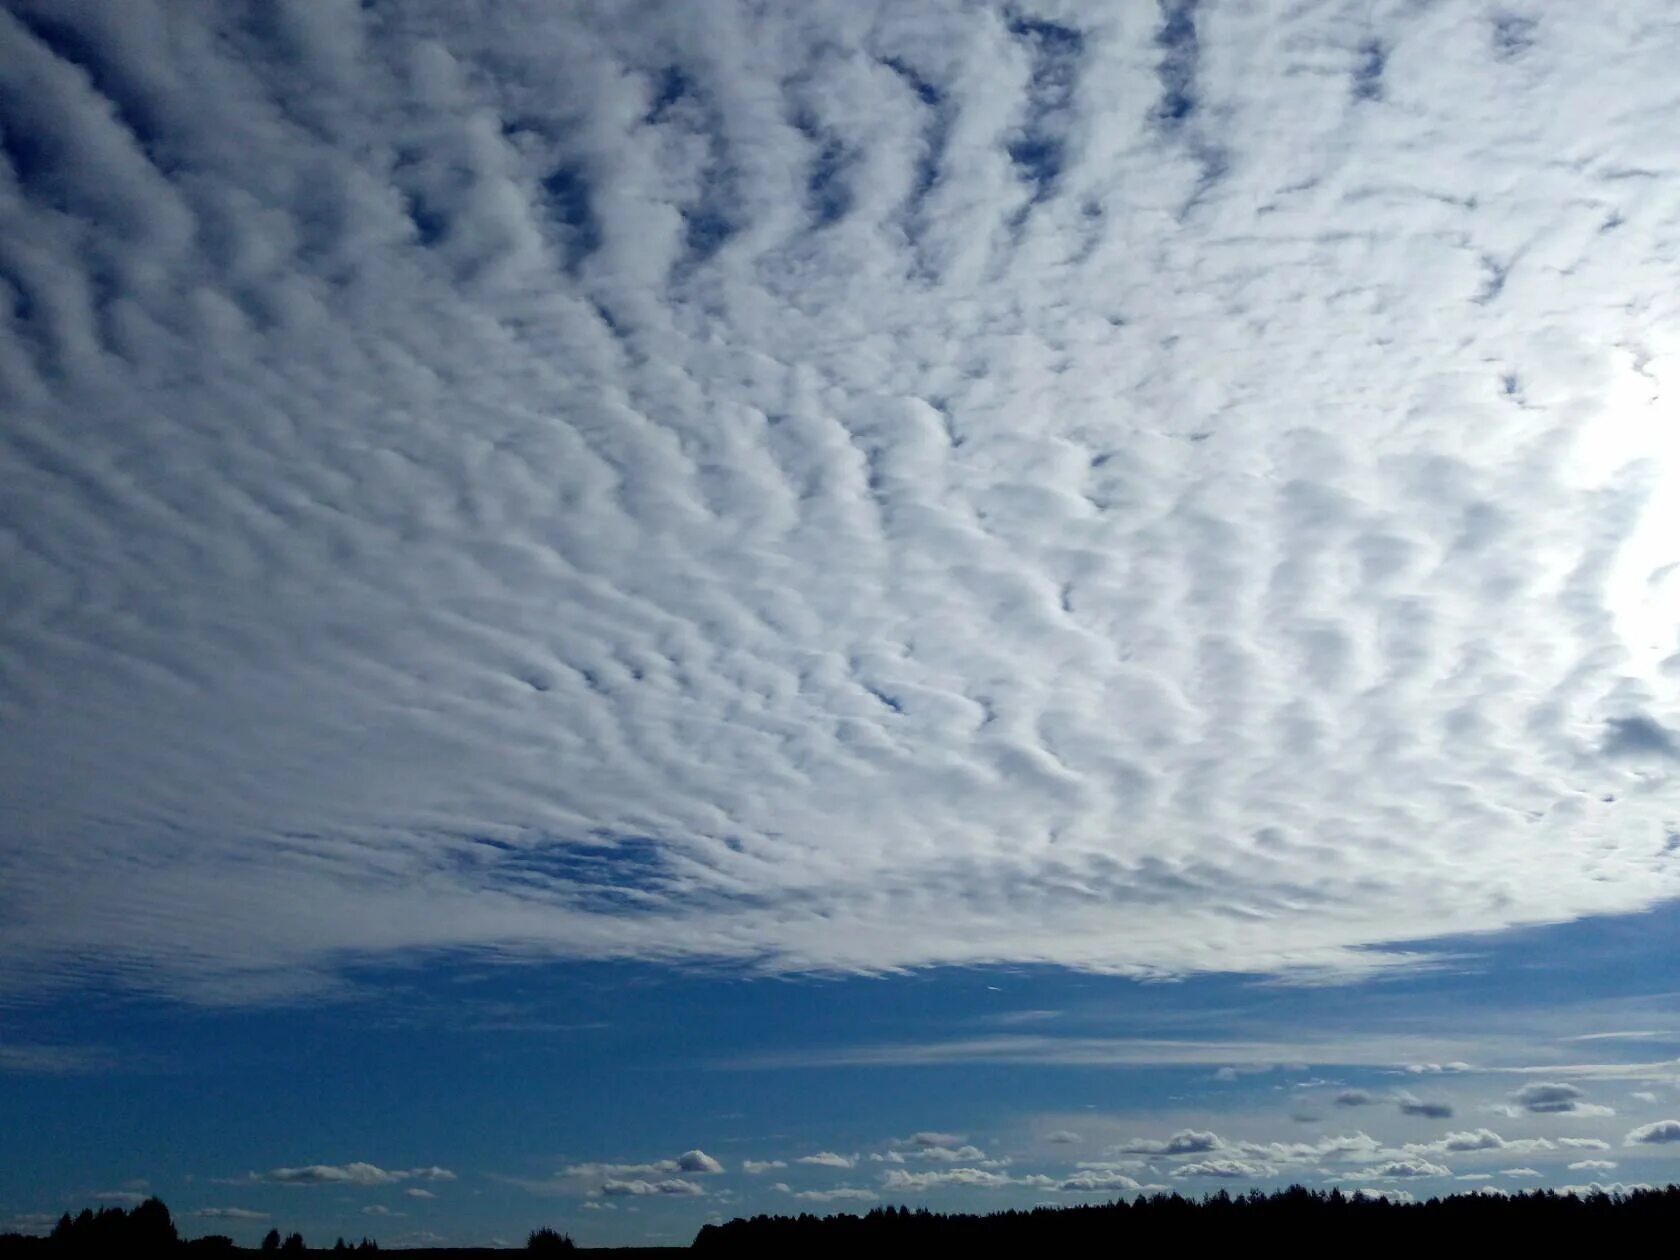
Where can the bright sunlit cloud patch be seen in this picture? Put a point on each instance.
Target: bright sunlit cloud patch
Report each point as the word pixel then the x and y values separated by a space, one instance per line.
pixel 1635 444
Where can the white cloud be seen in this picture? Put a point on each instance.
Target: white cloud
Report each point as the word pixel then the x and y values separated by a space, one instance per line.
pixel 640 1188
pixel 1338 1148
pixel 953 1154
pixel 900 1179
pixel 353 1174
pixel 1475 1140
pixel 1225 1168
pixel 1183 1142
pixel 757 1166
pixel 415 1192
pixel 1592 1165
pixel 963 562
pixel 1090 1180
pixel 828 1159
pixel 1595 1187
pixel 1584 1144
pixel 695 1161
pixel 1399 1168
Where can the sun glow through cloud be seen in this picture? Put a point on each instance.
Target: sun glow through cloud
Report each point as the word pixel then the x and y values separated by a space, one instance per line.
pixel 1634 445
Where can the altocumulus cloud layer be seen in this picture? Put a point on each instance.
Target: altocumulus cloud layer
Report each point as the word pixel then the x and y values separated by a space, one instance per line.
pixel 840 487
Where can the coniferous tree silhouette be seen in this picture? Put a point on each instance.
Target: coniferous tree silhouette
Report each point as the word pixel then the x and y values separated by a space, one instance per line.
pixel 546 1242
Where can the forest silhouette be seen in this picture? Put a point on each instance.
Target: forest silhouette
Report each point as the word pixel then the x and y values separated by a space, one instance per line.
pixel 1168 1223
pixel 1544 1220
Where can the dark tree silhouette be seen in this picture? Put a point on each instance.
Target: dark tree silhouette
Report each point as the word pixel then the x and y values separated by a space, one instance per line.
pixel 546 1242
pixel 271 1240
pixel 1541 1222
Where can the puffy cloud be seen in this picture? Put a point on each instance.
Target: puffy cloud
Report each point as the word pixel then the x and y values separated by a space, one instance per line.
pixel 786 522
pixel 757 1166
pixel 1225 1168
pixel 1556 1098
pixel 1519 1172
pixel 640 1188
pixel 1657 1133
pixel 1592 1165
pixel 415 1192
pixel 828 1159
pixel 353 1174
pixel 698 1162
pixel 1090 1180
pixel 1183 1142
pixel 1583 1144
pixel 1400 1168
pixel 901 1179
pixel 1474 1140
pixel 1338 1148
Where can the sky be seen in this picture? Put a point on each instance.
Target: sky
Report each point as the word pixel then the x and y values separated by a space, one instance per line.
pixel 618 614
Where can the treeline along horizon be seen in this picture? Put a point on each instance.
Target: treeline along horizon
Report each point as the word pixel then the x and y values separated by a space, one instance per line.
pixel 1546 1221
pixel 1543 1219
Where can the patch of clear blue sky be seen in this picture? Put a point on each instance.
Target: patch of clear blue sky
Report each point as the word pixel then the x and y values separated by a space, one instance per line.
pixel 519 1069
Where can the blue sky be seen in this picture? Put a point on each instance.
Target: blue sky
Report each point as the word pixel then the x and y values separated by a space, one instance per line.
pixel 506 1079
pixel 623 613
